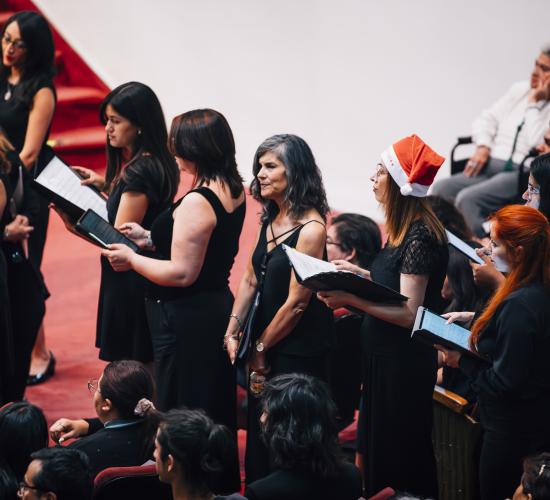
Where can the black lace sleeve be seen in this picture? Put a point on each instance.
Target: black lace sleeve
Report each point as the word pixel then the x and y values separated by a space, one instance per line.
pixel 421 251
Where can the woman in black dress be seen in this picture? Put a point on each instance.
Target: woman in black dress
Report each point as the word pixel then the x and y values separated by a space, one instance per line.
pixel 395 421
pixel 196 241
pixel 141 181
pixel 513 333
pixel 292 328
pixel 24 281
pixel 27 104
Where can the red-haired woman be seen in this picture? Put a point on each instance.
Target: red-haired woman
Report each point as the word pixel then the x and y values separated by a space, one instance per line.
pixel 514 333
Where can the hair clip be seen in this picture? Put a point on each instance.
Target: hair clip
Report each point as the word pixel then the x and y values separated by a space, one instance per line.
pixel 143 406
pixel 541 470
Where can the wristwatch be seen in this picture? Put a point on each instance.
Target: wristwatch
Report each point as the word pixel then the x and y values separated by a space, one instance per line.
pixel 259 346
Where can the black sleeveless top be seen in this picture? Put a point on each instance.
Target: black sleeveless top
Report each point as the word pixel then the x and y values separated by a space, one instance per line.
pixel 313 333
pixel 220 254
pixel 14 111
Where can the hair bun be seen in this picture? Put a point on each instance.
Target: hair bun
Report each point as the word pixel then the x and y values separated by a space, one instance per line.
pixel 143 406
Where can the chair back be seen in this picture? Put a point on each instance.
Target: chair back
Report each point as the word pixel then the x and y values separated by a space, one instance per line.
pixel 139 482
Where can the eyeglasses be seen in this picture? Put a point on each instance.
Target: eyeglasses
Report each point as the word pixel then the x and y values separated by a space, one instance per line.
pixel 16 44
pixel 23 486
pixel 93 385
pixel 532 190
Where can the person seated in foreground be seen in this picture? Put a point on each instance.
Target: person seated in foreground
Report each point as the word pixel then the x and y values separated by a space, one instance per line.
pixel 535 481
pixel 57 474
pixel 299 428
pixel 504 134
pixel 122 435
pixel 23 430
pixel 190 452
pixel 356 239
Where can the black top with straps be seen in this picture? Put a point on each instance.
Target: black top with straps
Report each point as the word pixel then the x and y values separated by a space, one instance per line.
pixel 312 334
pixel 220 254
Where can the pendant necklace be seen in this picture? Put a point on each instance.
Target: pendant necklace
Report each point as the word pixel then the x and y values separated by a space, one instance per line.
pixel 7 95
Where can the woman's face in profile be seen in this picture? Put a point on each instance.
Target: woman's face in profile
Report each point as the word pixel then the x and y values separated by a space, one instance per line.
pixel 380 179
pixel 532 193
pixel 14 49
pixel 121 132
pixel 272 177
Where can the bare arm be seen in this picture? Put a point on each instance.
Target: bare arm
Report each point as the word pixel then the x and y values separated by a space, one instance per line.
pixel 132 208
pixel 40 117
pixel 193 225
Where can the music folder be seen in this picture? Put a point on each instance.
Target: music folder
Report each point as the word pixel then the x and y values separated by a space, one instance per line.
pixel 97 229
pixel 431 329
pixel 60 184
pixel 319 275
pixel 470 252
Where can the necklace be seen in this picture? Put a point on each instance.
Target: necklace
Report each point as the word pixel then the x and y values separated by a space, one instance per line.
pixel 7 95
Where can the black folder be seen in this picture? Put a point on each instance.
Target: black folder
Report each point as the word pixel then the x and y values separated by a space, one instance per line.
pixel 328 278
pixel 431 329
pixel 97 229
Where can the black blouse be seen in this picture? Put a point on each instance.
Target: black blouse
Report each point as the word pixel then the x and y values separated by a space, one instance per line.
pixel 517 340
pixel 14 112
pixel 420 253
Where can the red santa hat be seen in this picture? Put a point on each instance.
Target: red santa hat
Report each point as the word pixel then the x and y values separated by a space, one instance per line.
pixel 412 165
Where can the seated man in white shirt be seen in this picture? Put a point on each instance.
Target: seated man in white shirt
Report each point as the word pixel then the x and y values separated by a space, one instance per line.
pixel 503 134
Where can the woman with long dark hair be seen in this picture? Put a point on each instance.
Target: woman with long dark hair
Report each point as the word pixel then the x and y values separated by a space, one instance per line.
pixel 196 241
pixel 292 328
pixel 513 333
pixel 27 105
pixel 141 181
pixel 399 373
pixel 123 433
pixel 299 427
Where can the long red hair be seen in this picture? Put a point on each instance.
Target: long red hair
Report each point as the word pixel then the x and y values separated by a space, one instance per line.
pixel 518 226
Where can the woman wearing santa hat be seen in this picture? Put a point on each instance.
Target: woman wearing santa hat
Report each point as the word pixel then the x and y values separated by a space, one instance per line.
pixel 395 421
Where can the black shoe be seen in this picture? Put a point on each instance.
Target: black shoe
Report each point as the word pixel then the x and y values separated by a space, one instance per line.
pixel 45 375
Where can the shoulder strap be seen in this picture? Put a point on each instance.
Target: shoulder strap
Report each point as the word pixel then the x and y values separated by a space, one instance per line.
pixel 212 198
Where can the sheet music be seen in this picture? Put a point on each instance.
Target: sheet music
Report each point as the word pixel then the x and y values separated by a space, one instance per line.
pixel 59 178
pixel 307 266
pixel 450 331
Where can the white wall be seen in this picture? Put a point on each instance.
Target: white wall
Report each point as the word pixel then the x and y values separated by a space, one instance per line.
pixel 349 76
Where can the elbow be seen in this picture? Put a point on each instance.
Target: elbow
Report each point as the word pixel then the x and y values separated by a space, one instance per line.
pixel 298 308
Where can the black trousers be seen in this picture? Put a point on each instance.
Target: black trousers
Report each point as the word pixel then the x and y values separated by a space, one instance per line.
pixel 257 463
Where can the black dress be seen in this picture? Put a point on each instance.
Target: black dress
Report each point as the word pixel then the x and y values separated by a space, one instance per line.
pixel 26 289
pixel 395 419
pixel 296 485
pixel 192 369
pixel 304 350
pixel 122 331
pixel 514 390
pixel 14 120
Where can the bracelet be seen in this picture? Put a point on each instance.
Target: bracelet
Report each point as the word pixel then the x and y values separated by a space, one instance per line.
pixel 238 320
pixel 149 241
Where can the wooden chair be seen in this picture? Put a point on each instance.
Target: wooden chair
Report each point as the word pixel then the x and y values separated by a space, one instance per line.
pixel 456 438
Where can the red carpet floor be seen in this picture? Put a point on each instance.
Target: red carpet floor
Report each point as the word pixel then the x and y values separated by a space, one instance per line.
pixel 71 269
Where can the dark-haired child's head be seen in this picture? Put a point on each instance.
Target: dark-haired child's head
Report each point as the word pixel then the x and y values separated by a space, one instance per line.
pixel 23 430
pixel 57 474
pixel 190 449
pixel 299 424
